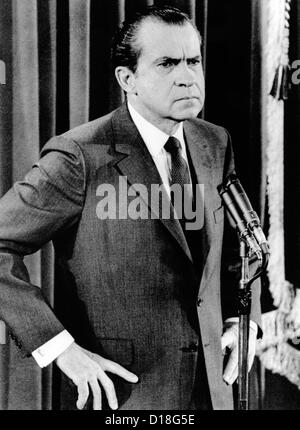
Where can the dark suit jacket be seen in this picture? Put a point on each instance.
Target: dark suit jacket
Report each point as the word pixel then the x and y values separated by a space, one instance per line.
pixel 127 289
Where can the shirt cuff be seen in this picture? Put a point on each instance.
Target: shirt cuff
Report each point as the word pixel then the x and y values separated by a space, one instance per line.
pixel 50 350
pixel 252 324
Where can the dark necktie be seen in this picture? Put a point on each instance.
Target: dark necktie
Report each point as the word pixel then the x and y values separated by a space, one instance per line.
pixel 179 175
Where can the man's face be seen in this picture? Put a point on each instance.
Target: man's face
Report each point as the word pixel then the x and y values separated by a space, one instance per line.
pixel 168 82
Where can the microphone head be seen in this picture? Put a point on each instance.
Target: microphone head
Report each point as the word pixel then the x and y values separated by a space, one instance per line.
pixel 239 207
pixel 221 189
pixel 230 179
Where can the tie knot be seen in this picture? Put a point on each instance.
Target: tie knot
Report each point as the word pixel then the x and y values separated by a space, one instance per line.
pixel 173 145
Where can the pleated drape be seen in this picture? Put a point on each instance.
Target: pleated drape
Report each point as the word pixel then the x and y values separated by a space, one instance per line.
pixel 79 61
pixel 5 161
pixel 47 54
pixel 25 149
pixel 57 55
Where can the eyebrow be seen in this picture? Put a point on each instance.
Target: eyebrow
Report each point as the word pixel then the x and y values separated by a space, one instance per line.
pixel 175 60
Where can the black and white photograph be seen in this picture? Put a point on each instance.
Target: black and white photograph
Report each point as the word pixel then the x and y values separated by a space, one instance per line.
pixel 149 207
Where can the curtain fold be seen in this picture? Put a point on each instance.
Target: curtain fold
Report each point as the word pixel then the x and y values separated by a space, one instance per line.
pixel 6 97
pixel 47 48
pixel 25 147
pixel 79 61
pixel 58 76
pixel 5 163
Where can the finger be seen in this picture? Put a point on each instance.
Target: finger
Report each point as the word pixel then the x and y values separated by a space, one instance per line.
pixel 231 367
pixel 109 389
pixel 234 375
pixel 227 339
pixel 97 398
pixel 83 394
pixel 115 368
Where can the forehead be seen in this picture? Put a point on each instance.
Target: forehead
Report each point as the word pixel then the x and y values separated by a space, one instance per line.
pixel 158 39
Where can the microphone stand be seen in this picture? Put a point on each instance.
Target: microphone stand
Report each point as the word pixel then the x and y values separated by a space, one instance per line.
pixel 251 241
pixel 244 307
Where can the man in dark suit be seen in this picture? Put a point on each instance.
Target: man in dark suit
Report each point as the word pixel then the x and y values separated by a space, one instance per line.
pixel 139 294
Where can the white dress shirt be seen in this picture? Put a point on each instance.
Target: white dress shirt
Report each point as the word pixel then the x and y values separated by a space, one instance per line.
pixel 154 139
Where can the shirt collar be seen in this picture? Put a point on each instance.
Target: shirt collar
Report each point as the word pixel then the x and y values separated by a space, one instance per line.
pixel 154 138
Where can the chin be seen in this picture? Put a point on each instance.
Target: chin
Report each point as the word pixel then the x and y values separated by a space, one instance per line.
pixel 188 110
pixel 188 114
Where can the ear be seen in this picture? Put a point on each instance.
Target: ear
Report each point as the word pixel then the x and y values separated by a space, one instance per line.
pixel 126 79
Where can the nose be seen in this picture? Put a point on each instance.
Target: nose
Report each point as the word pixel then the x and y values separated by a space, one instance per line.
pixel 185 76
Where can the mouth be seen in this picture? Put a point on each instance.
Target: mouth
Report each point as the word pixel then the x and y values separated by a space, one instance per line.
pixel 188 98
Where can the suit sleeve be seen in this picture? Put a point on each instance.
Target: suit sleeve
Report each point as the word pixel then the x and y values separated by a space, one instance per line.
pixel 48 200
pixel 231 263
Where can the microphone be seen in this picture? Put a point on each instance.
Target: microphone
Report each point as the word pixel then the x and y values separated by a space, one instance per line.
pixel 245 209
pixel 239 222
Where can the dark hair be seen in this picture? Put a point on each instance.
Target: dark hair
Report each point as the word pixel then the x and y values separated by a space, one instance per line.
pixel 125 51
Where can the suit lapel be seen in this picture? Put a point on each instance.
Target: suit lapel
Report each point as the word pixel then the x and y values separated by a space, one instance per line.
pixel 133 160
pixel 202 160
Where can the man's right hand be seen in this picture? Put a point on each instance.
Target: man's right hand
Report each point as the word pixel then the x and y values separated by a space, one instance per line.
pixel 87 370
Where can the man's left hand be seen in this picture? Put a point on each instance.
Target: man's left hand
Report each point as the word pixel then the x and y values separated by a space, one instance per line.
pixel 230 340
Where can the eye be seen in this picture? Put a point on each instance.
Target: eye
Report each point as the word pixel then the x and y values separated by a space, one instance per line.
pixel 166 64
pixel 194 62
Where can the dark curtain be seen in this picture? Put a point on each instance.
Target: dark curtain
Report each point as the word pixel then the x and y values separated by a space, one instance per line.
pixel 57 55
